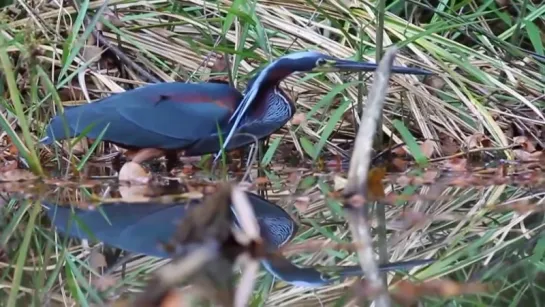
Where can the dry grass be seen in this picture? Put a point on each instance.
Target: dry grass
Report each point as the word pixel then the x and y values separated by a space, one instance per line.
pixel 483 85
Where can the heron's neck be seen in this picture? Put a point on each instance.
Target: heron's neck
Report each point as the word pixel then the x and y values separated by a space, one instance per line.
pixel 271 76
pixel 270 101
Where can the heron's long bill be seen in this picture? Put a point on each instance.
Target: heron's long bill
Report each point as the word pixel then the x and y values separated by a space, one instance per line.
pixel 348 65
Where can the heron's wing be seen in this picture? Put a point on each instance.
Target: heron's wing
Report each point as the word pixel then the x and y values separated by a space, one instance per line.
pixel 138 228
pixel 164 115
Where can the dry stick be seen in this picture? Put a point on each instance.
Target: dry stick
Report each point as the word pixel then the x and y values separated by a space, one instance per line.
pixel 123 57
pixel 177 271
pixel 355 190
pixel 120 54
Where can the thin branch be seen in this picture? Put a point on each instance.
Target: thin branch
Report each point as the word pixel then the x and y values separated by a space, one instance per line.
pixel 355 190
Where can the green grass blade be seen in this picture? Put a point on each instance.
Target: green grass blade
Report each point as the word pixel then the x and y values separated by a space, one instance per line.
pixel 74 51
pixel 330 127
pixel 23 251
pixel 411 143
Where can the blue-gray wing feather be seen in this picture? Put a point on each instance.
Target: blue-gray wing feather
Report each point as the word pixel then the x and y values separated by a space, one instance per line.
pixel 164 115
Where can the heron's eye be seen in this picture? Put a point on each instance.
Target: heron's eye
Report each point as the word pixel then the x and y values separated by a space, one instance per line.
pixel 321 62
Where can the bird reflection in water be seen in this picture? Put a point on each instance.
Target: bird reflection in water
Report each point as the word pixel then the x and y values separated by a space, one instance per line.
pixel 149 227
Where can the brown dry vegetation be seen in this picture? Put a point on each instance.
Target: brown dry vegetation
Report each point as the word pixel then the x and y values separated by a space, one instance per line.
pixel 462 150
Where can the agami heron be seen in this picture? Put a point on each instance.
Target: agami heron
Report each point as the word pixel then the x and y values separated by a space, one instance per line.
pixel 165 118
pixel 141 227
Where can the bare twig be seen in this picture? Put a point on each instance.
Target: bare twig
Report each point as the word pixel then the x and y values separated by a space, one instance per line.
pixel 247 282
pixel 120 54
pixel 172 274
pixel 245 214
pixel 355 190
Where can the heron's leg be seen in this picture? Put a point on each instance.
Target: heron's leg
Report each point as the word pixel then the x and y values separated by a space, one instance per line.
pixel 172 159
pixel 117 163
pixel 261 149
pixel 146 154
pixel 130 153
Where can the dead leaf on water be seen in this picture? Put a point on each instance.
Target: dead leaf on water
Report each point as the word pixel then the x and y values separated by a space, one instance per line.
pixel 17 175
pixel 134 193
pixel 134 173
pixel 193 195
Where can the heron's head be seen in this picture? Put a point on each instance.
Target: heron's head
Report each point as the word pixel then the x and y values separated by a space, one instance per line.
pixel 313 61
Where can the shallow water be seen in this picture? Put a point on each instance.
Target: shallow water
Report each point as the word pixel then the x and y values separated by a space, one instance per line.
pixel 424 207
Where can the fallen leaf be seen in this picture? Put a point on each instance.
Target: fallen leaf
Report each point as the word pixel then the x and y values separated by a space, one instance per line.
pixel 428 148
pixel 400 151
pixel 219 65
pixel 403 180
pixel 194 195
pixel 294 178
pixel 400 164
pixel 134 172
pixel 429 176
pixel 17 175
pixel 526 156
pixel 435 82
pixel 12 149
pixel 91 53
pixel 365 290
pixel 134 193
pixel 413 218
pixel 375 187
pixel 448 144
pixel 339 183
pixel 105 282
pixel 298 119
pixel 302 203
pixel 408 293
pixel 113 18
pixel 174 298
pixel 525 143
pixel 188 169
pixel 478 140
pixel 80 147
pixel 9 166
pixel 97 260
pixel 261 180
pixel 455 164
